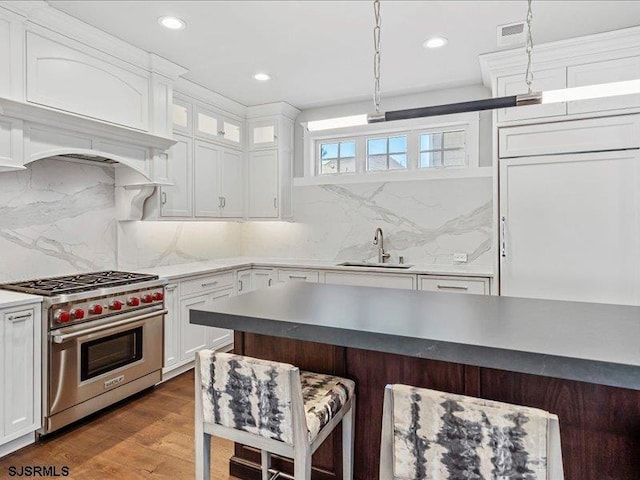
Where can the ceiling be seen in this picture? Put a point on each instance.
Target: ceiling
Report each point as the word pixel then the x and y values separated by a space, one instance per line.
pixel 320 52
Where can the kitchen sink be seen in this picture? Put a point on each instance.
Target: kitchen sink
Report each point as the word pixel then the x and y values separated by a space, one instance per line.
pixel 374 265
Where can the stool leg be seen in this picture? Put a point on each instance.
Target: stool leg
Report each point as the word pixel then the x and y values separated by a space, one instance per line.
pixel 265 463
pixel 203 456
pixel 302 464
pixel 348 439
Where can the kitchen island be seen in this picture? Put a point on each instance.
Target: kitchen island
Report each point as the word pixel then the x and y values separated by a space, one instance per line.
pixel 578 360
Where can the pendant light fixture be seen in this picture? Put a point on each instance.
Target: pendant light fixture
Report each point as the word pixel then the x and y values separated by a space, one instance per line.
pixel 530 98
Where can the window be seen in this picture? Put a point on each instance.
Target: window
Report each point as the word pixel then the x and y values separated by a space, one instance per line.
pixel 338 157
pixel 388 153
pixel 442 149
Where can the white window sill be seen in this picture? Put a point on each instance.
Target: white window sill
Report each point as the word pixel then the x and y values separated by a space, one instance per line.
pixel 397 176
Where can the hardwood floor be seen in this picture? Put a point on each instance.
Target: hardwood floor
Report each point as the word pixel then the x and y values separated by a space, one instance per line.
pixel 147 436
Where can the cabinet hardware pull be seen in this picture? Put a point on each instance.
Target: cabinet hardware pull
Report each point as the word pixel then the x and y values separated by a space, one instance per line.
pixel 224 202
pixel 164 198
pixel 170 288
pixel 269 282
pixel 220 202
pixel 503 244
pixel 275 202
pixel 209 284
pixel 24 316
pixel 452 287
pixel 302 277
pixel 240 287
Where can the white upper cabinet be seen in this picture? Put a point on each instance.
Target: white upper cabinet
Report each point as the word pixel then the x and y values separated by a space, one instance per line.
pixel 208 196
pixel 65 78
pixel 5 57
pixel 263 134
pixel 177 199
pixel 604 72
pixel 232 183
pixel 182 116
pixel 544 80
pixel 213 126
pixel 263 184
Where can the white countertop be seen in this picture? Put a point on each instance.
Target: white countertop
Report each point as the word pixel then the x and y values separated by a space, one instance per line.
pixel 13 299
pixel 223 264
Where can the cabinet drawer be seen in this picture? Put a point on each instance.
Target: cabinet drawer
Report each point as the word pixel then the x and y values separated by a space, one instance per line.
pixel 404 281
pixel 608 133
pixel 479 286
pixel 303 275
pixel 206 283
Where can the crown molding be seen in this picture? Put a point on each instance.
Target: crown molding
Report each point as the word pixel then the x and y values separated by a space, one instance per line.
pixel 579 50
pixel 186 88
pixel 270 109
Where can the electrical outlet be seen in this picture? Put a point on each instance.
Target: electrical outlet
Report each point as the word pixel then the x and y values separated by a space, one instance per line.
pixel 460 257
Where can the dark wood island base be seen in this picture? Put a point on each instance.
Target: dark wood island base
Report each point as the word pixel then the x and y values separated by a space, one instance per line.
pixel 599 425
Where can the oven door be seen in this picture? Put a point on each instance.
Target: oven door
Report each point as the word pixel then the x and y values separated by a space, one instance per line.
pixel 86 361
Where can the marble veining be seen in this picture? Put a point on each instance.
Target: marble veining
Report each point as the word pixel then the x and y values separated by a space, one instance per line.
pixel 56 218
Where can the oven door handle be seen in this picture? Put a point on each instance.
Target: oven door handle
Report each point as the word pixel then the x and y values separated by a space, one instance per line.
pixel 67 336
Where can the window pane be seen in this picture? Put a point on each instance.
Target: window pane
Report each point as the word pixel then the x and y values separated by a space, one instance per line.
pixel 377 162
pixel 329 166
pixel 430 141
pixel 264 134
pixel 180 115
pixel 207 124
pixel 377 146
pixel 454 158
pixel 430 159
pixel 454 139
pixel 397 161
pixel 347 165
pixel 397 144
pixel 347 149
pixel 328 150
pixel 231 132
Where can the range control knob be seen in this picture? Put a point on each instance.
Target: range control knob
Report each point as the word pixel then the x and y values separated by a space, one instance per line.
pixel 95 309
pixel 157 296
pixel 115 305
pixel 146 298
pixel 61 316
pixel 133 301
pixel 77 313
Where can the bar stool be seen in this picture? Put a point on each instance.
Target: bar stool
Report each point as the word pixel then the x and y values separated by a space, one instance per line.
pixel 431 435
pixel 271 406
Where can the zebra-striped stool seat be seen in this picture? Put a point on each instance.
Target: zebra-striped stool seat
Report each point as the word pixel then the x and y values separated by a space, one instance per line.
pixel 431 435
pixel 324 396
pixel 271 406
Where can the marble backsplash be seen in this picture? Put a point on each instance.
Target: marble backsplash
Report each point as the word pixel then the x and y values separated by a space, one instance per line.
pixel 424 221
pixel 56 218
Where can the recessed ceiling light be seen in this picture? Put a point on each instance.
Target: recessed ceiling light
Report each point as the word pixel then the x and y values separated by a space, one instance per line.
pixel 172 23
pixel 435 42
pixel 262 77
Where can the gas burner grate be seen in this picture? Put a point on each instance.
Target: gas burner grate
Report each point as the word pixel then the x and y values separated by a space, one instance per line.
pixel 49 287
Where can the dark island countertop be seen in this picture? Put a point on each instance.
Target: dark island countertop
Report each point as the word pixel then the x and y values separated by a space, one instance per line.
pixel 587 342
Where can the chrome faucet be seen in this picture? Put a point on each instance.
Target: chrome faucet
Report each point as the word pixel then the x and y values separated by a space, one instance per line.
pixel 378 239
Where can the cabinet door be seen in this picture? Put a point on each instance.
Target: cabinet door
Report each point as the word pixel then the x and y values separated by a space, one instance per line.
pixel 177 199
pixel 543 80
pixel 171 325
pixel 571 227
pixel 230 131
pixel 18 369
pixel 219 337
pixel 208 197
pixel 403 281
pixel 232 182
pixel 478 286
pixel 263 134
pixel 289 275
pixel 604 72
pixel 192 337
pixel 263 184
pixel 261 278
pixel 244 282
pixel 182 116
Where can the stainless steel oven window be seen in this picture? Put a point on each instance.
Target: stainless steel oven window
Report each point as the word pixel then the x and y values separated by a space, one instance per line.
pixel 108 353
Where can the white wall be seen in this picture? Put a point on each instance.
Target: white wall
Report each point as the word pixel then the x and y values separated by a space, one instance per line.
pixel 56 218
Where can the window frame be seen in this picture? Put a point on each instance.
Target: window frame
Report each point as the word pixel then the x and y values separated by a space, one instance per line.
pixel 442 148
pixel 388 152
pixel 412 129
pixel 318 155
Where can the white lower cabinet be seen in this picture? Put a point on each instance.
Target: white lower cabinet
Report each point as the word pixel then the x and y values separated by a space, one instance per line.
pixel 20 374
pixel 385 280
pixel 243 284
pixel 181 338
pixel 478 286
pixel 262 278
pixel 290 275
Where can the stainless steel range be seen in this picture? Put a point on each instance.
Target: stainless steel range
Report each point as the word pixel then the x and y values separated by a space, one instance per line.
pixel 102 340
